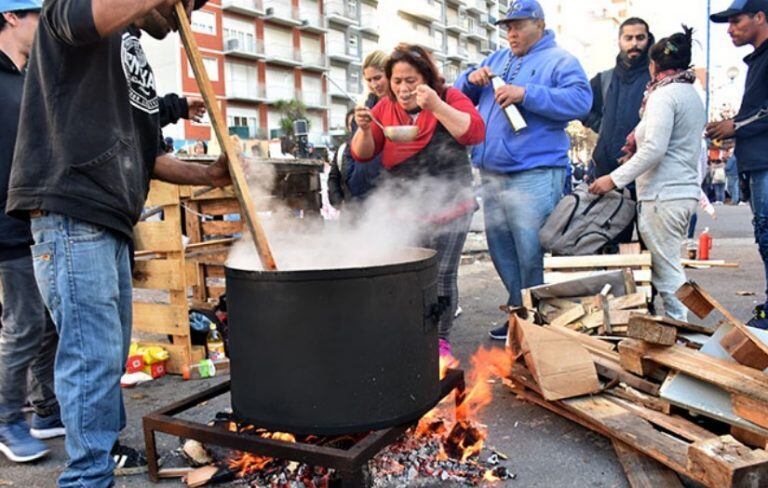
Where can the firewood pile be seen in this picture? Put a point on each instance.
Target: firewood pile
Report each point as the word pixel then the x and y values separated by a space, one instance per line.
pixel 676 399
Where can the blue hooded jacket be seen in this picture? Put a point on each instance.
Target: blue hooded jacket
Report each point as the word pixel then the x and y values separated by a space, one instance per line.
pixel 556 91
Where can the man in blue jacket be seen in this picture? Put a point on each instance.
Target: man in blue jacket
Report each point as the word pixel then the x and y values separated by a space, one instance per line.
pixel 523 173
pixel 748 21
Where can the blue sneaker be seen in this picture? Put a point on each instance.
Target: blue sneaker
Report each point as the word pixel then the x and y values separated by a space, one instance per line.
pixel 18 445
pixel 760 318
pixel 47 427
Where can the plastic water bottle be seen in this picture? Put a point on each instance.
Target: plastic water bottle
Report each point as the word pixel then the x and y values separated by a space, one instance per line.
pixel 215 344
pixel 514 116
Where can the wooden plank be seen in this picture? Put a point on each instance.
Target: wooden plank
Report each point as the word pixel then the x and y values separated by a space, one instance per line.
pixel 642 471
pixel 160 318
pixel 709 263
pixel 161 194
pixel 613 371
pixel 220 207
pixel 726 462
pixel 193 273
pixel 673 423
pixel 562 367
pixel 218 123
pixel 158 274
pixel 589 342
pixel 749 438
pixel 215 272
pixel 633 300
pixel 730 376
pixel 213 194
pixel 216 291
pixel 157 236
pixel 749 409
pixel 645 328
pixel 196 246
pixel 595 319
pixel 652 402
pixel 565 317
pixel 553 277
pixel 597 261
pixel 744 350
pixel 221 228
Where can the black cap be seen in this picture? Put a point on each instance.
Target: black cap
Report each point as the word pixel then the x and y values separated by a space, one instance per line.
pixel 740 7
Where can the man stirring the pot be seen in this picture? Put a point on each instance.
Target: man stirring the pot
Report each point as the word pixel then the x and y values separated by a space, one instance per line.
pixel 524 172
pixel 88 143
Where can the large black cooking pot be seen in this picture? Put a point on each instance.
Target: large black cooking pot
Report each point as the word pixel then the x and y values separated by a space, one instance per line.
pixel 335 351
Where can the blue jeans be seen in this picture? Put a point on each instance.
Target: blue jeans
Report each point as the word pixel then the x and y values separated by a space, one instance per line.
pixel 83 272
pixel 758 184
pixel 719 192
pixel 27 343
pixel 733 188
pixel 516 205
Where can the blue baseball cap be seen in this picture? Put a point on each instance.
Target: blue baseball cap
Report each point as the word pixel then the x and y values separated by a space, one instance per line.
pixel 15 5
pixel 523 9
pixel 740 7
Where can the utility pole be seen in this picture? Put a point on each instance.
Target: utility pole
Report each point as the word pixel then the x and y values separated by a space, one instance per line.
pixel 709 55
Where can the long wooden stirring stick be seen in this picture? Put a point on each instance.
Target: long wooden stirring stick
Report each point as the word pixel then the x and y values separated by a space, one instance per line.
pixel 219 127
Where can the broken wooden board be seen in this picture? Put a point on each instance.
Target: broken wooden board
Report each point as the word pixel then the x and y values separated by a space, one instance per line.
pixel 568 315
pixel 749 438
pixel 649 329
pixel 596 319
pixel 724 461
pixel 744 350
pixel 642 471
pixel 563 368
pixel 702 304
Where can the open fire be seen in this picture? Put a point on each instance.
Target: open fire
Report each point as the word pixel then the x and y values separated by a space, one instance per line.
pixel 447 443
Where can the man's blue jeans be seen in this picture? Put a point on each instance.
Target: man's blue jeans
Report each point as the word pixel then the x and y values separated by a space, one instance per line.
pixel 516 205
pixel 83 271
pixel 758 185
pixel 733 188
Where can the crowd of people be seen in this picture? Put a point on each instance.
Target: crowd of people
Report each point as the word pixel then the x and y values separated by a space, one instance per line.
pixel 70 198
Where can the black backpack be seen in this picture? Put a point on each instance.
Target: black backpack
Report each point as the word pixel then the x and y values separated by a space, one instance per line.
pixel 583 223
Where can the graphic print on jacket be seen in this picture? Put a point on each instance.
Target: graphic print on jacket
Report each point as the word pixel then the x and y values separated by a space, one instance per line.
pixel 141 80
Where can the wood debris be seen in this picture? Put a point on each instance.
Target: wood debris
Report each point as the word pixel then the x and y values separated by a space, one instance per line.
pixel 655 439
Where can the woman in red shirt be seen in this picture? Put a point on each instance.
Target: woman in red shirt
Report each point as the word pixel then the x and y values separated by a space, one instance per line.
pixel 434 167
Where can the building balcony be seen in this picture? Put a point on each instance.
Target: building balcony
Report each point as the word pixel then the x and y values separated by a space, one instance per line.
pixel 369 23
pixel 314 61
pixel 488 47
pixel 247 49
pixel 490 20
pixel 277 93
pixel 247 132
pixel 341 51
pixel 423 11
pixel 281 54
pixel 243 91
pixel 312 21
pixel 424 40
pixel 251 8
pixel 313 99
pixel 456 25
pixel 340 12
pixel 477 6
pixel 456 53
pixel 456 3
pixel 476 32
pixel 282 12
pixel 353 89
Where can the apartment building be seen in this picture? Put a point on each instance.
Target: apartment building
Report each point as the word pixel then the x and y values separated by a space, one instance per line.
pixel 261 52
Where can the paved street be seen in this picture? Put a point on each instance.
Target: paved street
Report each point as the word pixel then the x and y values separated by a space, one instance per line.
pixel 544 450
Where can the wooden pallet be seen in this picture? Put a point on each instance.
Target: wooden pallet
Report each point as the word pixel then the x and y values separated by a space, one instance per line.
pixel 565 268
pixel 161 265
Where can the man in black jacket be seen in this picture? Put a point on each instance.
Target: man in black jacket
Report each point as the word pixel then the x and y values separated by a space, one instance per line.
pixel 88 144
pixel 748 21
pixel 28 339
pixel 618 94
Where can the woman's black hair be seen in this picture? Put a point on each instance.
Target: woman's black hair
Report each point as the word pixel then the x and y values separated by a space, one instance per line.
pixel 674 52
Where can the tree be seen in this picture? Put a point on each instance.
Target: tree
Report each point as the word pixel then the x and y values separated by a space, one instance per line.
pixel 291 110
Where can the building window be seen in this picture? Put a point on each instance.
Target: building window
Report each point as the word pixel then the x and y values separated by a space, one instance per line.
pixel 204 22
pixel 211 66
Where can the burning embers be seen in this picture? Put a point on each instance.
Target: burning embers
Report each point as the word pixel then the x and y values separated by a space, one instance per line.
pixel 448 444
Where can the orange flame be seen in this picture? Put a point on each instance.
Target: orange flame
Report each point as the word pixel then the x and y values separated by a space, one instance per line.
pixel 486 364
pixel 248 463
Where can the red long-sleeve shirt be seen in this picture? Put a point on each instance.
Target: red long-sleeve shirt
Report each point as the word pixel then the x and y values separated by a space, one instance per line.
pixel 390 113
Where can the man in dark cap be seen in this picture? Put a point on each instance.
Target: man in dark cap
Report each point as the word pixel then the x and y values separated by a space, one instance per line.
pixel 748 24
pixel 28 338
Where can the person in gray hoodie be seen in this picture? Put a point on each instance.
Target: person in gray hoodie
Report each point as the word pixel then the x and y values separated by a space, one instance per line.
pixel 662 155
